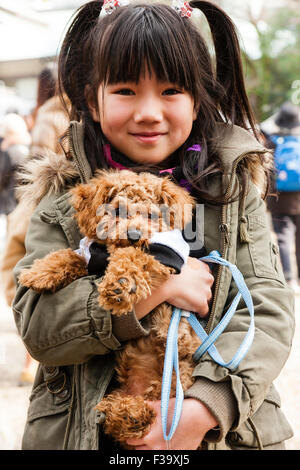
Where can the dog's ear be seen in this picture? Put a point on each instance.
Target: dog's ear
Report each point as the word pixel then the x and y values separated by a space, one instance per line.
pixel 83 200
pixel 173 194
pixel 180 202
pixel 98 190
pixel 87 199
pixel 82 196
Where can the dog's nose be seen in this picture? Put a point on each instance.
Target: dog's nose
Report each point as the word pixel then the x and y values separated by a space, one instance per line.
pixel 134 235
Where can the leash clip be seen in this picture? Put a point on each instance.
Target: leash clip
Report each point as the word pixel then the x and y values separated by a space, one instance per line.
pixel 185 314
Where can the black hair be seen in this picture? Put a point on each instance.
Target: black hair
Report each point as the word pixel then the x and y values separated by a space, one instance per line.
pixel 141 38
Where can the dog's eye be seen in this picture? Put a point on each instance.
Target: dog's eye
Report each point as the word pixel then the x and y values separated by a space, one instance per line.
pixel 120 212
pixel 154 216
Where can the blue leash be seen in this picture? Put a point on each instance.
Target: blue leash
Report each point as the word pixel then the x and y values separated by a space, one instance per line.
pixel 207 343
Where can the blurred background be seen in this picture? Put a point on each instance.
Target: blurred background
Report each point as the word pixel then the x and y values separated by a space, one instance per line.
pixel 31 32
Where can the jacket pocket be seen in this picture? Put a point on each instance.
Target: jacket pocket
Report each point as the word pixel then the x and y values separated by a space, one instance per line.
pixel 62 214
pixel 271 426
pixel 47 419
pixel 264 253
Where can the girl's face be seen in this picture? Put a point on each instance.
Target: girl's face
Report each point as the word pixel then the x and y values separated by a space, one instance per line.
pixel 147 121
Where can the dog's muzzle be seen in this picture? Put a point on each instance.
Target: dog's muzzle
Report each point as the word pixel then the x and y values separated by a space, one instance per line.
pixel 134 235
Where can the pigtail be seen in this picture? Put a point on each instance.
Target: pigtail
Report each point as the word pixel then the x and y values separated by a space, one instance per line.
pixel 234 103
pixel 74 63
pixel 76 71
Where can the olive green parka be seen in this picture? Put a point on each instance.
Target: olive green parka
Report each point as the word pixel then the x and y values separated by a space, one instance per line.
pixel 74 339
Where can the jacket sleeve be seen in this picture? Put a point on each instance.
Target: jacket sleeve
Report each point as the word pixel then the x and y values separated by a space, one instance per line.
pixel 241 392
pixel 68 326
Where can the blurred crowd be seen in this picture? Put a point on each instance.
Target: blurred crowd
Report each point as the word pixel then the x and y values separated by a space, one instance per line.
pixel 23 138
pixel 282 134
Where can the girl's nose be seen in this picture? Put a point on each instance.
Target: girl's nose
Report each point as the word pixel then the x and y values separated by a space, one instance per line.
pixel 148 110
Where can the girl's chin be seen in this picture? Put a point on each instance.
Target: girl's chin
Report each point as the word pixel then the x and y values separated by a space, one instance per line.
pixel 147 161
pixel 147 157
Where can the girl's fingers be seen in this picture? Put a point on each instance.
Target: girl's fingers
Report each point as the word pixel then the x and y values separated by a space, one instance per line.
pixel 143 448
pixel 135 442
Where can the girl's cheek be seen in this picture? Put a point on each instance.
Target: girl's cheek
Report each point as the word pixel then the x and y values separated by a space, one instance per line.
pixel 117 113
pixel 180 110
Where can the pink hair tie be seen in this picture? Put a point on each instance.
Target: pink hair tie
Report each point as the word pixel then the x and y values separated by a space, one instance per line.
pixel 183 8
pixel 109 6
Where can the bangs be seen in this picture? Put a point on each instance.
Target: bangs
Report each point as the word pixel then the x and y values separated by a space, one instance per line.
pixel 146 41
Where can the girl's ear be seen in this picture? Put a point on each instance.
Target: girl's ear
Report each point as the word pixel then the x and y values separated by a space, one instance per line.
pixel 91 103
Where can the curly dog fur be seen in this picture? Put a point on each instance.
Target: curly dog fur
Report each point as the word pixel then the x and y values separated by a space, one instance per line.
pixel 130 276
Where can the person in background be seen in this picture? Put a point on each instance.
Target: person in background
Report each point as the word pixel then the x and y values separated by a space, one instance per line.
pixel 50 118
pixel 14 149
pixel 282 132
pixel 50 121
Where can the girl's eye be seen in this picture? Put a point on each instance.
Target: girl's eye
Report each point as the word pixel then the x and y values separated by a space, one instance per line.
pixel 124 92
pixel 171 91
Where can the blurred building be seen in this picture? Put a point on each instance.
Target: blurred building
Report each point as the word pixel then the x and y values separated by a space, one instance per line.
pixel 30 35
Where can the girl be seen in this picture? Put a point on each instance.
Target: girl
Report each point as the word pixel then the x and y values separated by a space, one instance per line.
pixel 145 94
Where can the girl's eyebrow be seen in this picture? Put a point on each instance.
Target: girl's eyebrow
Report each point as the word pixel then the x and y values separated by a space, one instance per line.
pixel 116 86
pixel 134 83
pixel 123 82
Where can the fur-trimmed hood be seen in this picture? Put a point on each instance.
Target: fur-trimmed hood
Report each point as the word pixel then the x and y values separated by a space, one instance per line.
pixel 52 173
pixel 45 175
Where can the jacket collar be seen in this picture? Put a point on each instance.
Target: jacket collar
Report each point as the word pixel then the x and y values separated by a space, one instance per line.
pixel 235 143
pixel 53 173
pixel 76 145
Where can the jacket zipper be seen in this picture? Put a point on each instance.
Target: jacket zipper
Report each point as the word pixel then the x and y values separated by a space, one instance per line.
pixel 225 240
pixel 224 230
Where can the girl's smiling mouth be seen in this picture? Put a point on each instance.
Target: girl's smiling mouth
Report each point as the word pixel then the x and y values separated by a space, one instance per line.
pixel 147 137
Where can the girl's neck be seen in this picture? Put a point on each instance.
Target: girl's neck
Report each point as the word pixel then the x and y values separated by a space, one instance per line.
pixel 119 161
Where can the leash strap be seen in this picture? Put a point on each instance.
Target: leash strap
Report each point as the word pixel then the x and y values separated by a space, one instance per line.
pixel 171 361
pixel 207 345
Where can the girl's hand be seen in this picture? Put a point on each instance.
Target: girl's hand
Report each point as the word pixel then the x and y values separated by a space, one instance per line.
pixel 194 423
pixel 191 289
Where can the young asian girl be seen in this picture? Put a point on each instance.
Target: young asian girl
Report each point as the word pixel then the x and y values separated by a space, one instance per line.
pixel 145 95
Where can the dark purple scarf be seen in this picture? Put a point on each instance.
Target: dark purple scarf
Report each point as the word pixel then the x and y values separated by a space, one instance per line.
pixel 122 163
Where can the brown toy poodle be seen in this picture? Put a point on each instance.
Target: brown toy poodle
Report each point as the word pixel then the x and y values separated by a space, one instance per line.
pixel 121 211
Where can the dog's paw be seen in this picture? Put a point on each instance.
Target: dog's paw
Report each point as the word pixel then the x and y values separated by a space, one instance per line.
pixel 37 280
pixel 56 270
pixel 118 295
pixel 126 417
pixel 136 427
